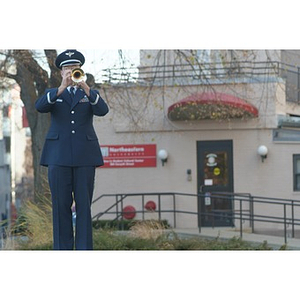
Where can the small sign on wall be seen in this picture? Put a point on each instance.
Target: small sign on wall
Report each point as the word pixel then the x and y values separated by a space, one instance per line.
pixel 129 156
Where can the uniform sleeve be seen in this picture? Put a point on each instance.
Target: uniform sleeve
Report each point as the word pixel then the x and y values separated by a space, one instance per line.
pixel 100 108
pixel 45 103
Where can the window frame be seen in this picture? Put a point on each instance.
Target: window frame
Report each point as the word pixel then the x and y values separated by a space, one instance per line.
pixel 296 157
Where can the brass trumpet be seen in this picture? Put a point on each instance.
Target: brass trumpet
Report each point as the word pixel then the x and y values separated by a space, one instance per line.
pixel 78 75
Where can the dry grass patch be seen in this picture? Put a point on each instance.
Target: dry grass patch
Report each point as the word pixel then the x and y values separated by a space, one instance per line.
pixel 149 229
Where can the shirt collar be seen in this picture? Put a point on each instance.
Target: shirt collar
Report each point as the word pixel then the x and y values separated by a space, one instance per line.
pixel 69 87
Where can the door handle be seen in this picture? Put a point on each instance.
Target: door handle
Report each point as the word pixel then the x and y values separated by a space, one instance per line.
pixel 201 188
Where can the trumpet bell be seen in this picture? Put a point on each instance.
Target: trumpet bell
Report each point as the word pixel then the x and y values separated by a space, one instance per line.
pixel 78 75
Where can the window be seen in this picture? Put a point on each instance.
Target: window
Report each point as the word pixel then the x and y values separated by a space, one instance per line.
pixel 286 135
pixel 296 164
pixel 204 57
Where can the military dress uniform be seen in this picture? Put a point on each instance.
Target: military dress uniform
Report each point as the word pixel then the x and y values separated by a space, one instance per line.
pixel 71 152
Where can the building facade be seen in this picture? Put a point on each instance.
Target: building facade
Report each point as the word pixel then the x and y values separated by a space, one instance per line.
pixel 210 110
pixel 16 173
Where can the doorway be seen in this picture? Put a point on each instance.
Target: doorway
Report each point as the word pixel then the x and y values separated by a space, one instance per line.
pixel 215 183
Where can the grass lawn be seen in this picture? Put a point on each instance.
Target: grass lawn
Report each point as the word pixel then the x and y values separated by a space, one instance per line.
pixel 105 239
pixel 35 227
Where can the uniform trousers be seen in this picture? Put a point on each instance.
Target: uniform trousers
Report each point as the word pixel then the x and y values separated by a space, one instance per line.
pixel 68 184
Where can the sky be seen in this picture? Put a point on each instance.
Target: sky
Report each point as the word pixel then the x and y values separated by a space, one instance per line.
pixel 96 60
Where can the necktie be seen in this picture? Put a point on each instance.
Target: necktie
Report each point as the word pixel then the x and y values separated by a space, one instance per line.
pixel 72 92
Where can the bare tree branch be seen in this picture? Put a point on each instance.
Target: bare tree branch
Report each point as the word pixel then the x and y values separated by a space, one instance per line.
pixel 26 64
pixel 55 73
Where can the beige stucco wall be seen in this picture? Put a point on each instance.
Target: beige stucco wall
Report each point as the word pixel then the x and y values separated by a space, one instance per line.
pixel 271 178
pixel 140 109
pixel 139 116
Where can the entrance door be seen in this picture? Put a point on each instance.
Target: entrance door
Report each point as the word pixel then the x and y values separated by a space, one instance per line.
pixel 215 175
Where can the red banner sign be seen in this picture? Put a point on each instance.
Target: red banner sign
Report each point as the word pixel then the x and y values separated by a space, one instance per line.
pixel 129 156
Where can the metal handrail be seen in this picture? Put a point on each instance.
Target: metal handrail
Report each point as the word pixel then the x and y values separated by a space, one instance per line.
pixel 200 70
pixel 242 214
pixel 208 73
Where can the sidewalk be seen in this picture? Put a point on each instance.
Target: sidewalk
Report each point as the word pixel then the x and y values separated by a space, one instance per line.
pixel 226 233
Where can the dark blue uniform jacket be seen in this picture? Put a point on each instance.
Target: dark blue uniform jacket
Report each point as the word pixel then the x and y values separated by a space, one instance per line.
pixel 71 139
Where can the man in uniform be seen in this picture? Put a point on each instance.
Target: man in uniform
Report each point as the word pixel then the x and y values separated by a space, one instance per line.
pixel 71 152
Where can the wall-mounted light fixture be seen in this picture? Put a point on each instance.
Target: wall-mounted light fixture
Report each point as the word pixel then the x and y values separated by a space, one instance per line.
pixel 262 151
pixel 163 155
